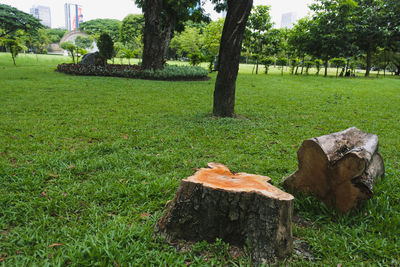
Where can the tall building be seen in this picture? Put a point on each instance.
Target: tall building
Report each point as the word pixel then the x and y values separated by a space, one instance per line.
pixel 288 19
pixel 73 16
pixel 42 13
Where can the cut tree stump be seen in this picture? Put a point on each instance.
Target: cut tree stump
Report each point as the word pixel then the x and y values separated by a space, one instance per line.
pixel 241 209
pixel 340 169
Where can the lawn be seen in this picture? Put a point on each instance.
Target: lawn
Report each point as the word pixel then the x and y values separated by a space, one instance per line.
pixel 88 163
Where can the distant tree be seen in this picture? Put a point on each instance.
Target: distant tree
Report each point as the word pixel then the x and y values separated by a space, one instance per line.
pixel 318 64
pixel 12 19
pixel 106 46
pixel 308 64
pixel 127 53
pixel 212 38
pixel 161 19
pixel 71 48
pixel 338 63
pixel 282 62
pixel 258 24
pixel 55 35
pixel 267 62
pixel 97 26
pixel 132 31
pixel 13 47
pixel 294 64
pixel 84 42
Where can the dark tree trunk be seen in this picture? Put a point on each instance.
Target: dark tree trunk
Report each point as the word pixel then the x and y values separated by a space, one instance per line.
pixel 326 68
pixel 229 51
pixel 302 66
pixel 369 58
pixel 157 34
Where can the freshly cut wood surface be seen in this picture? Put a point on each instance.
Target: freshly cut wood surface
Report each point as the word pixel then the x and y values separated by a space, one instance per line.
pixel 242 209
pixel 340 168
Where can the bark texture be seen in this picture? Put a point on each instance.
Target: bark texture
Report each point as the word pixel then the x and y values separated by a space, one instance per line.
pixel 157 34
pixel 241 209
pixel 229 56
pixel 340 169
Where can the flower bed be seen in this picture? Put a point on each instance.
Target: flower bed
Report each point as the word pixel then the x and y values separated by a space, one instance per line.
pixel 170 72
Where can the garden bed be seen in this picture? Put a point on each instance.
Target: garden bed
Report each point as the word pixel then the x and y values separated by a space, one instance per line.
pixel 169 73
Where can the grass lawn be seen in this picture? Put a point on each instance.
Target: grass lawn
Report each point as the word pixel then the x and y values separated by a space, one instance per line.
pixel 88 163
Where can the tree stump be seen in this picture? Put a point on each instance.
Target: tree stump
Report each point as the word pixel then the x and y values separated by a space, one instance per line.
pixel 340 169
pixel 241 209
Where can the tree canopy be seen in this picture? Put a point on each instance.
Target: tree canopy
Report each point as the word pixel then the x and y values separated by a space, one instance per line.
pixel 95 27
pixel 12 19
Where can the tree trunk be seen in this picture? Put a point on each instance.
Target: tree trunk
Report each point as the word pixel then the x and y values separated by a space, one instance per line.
pixel 302 66
pixel 229 51
pixel 157 34
pixel 369 58
pixel 326 68
pixel 257 66
pixel 340 169
pixel 242 209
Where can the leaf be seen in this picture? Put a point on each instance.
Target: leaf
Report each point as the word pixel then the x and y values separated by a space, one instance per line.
pixel 55 245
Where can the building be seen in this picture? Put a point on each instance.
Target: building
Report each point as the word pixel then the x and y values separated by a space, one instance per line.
pixel 288 19
pixel 42 13
pixel 73 16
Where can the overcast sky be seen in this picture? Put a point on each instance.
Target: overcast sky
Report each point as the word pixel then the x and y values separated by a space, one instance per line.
pixel 118 9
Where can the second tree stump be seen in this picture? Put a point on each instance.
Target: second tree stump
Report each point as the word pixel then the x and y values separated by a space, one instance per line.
pixel 241 209
pixel 340 168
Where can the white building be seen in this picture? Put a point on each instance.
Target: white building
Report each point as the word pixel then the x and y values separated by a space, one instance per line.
pixel 288 19
pixel 42 13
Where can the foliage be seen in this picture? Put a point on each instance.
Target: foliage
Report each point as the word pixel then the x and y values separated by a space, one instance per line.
pixel 308 64
pixel 169 72
pixel 132 31
pixel 127 53
pixel 84 42
pixel 71 48
pixel 95 27
pixel 195 59
pixel 13 47
pixel 338 63
pixel 56 34
pixel 267 62
pixel 282 62
pixel 89 163
pixel 318 64
pixel 294 62
pixel 12 19
pixel 106 46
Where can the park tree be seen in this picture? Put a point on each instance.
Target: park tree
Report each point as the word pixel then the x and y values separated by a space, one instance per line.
pixel 56 34
pixel 162 17
pixel 370 28
pixel 229 56
pixel 95 27
pixel 299 38
pixel 331 31
pixel 212 36
pixel 84 42
pixel 131 32
pixel 338 62
pixel 71 48
pixel 267 62
pixel 258 24
pixel 13 46
pixel 12 19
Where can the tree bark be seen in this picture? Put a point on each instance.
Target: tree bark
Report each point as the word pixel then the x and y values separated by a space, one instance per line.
pixel 157 34
pixel 326 68
pixel 242 209
pixel 340 169
pixel 229 51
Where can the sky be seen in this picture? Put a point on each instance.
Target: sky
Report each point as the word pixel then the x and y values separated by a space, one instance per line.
pixel 118 9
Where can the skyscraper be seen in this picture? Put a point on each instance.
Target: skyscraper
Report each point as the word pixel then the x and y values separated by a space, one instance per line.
pixel 288 19
pixel 42 13
pixel 73 16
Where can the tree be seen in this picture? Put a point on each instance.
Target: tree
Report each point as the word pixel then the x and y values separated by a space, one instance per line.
pixel 95 27
pixel 12 19
pixel 106 47
pixel 267 62
pixel 338 63
pixel 127 53
pixel 282 61
pixel 84 42
pixel 162 17
pixel 55 35
pixel 318 64
pixel 212 37
pixel 370 28
pixel 229 56
pixel 13 47
pixel 308 64
pixel 71 48
pixel 132 31
pixel 258 24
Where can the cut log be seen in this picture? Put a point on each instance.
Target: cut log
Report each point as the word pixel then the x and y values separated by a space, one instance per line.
pixel 340 169
pixel 241 209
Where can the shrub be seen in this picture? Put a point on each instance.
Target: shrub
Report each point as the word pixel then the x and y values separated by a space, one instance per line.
pixel 194 59
pixel 134 71
pixel 106 46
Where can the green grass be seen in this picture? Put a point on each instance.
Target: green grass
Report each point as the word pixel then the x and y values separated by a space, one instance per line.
pixel 89 162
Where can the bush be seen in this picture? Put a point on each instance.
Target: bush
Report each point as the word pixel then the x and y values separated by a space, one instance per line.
pixel 106 46
pixel 134 71
pixel 194 59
